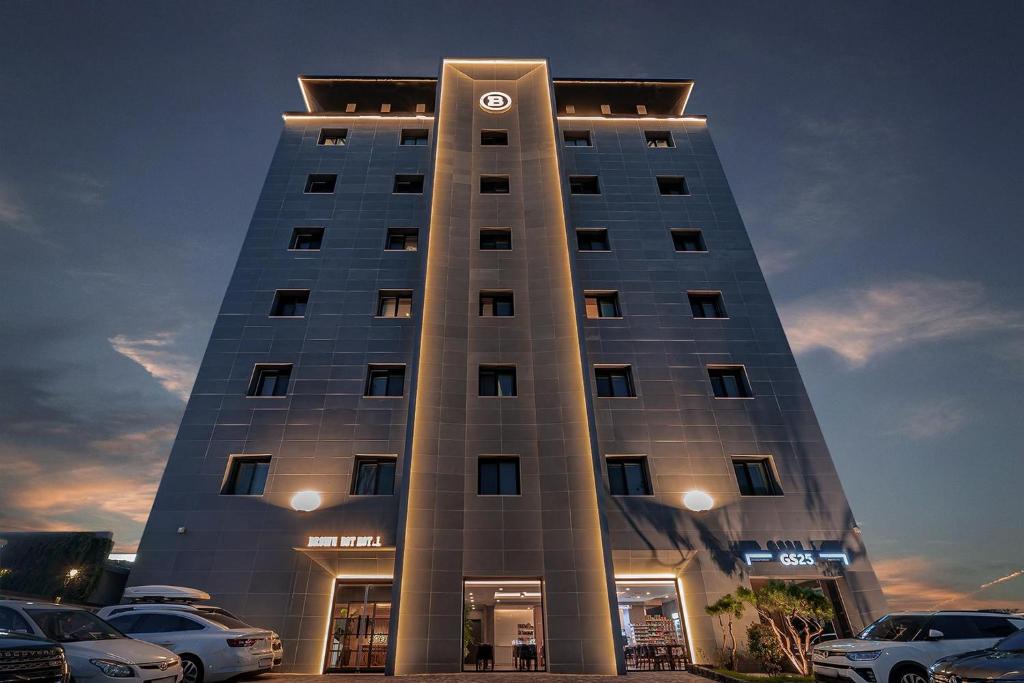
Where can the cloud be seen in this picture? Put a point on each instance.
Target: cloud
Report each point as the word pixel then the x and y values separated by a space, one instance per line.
pixel 175 372
pixel 860 324
pixel 934 419
pixel 907 584
pixel 13 213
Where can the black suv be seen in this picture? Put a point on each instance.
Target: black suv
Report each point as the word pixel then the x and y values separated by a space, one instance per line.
pixel 30 659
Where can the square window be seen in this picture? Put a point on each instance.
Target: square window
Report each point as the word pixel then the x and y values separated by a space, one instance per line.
pixel 385 380
pixel 498 477
pixel 394 304
pixel 494 137
pixel 333 137
pixel 729 382
pixel 496 304
pixel 494 184
pixel 270 380
pixel 306 239
pixel 402 239
pixel 602 304
pixel 320 183
pixel 247 476
pixel 408 184
pixel 707 304
pixel 629 477
pixel 416 137
pixel 672 185
pixel 374 476
pixel 290 303
pixel 592 239
pixel 495 239
pixel 497 380
pixel 756 477
pixel 658 139
pixel 614 382
pixel 576 138
pixel 584 184
pixel 688 239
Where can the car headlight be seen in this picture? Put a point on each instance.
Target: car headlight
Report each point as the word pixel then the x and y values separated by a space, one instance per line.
pixel 865 656
pixel 113 668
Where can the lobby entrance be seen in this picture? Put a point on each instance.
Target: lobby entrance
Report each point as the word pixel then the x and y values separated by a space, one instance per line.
pixel 651 623
pixel 358 639
pixel 503 626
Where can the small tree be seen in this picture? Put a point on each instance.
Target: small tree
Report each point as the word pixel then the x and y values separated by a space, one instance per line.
pixel 763 647
pixel 794 614
pixel 727 609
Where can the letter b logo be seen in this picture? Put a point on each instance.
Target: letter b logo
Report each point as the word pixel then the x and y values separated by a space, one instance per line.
pixel 495 102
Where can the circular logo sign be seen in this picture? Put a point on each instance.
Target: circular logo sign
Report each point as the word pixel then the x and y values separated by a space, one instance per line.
pixel 495 102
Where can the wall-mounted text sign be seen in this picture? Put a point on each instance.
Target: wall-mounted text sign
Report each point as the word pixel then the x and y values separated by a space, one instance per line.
pixel 343 542
pixel 796 558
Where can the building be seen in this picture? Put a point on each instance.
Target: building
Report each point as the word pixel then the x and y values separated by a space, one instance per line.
pixel 497 375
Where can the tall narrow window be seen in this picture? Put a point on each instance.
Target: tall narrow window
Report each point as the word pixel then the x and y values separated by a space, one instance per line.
pixel 592 239
pixel 270 380
pixel 494 184
pixel 498 477
pixel 602 304
pixel 320 183
pixel 688 239
pixel 576 138
pixel 706 304
pixel 495 239
pixel 333 137
pixel 247 476
pixel 756 477
pixel 628 477
pixel 658 139
pixel 408 184
pixel 584 184
pixel 385 380
pixel 672 185
pixel 290 303
pixel 374 477
pixel 493 137
pixel 496 304
pixel 729 382
pixel 614 382
pixel 394 304
pixel 497 380
pixel 416 137
pixel 402 239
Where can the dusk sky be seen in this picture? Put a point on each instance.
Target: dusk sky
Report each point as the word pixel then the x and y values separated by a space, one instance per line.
pixel 875 151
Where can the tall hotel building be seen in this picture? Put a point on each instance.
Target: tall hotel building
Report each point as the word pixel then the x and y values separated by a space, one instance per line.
pixel 497 378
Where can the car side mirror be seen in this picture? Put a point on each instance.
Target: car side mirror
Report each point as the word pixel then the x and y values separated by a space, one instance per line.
pixel 935 634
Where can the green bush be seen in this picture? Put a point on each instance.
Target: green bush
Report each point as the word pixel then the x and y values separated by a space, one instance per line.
pixel 763 646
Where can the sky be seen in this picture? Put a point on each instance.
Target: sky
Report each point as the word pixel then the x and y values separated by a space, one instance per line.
pixel 874 149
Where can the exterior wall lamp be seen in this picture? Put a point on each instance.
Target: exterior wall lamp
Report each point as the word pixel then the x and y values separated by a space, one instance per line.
pixel 698 501
pixel 306 501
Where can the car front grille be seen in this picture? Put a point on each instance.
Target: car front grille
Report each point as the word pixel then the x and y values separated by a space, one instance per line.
pixel 32 664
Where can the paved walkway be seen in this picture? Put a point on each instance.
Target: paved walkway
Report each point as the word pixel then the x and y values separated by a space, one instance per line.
pixel 489 677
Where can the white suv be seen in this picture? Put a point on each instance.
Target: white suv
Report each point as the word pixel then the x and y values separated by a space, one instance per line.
pixel 899 647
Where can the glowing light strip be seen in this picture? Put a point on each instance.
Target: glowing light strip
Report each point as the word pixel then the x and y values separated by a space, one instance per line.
pixel 750 558
pixel 835 556
pixel 689 91
pixel 365 577
pixel 686 616
pixel 305 95
pixel 327 631
pixel 494 61
pixel 288 116
pixel 691 119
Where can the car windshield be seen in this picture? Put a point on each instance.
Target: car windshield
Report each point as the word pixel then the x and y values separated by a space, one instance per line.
pixel 72 625
pixel 899 627
pixel 1011 643
pixel 225 621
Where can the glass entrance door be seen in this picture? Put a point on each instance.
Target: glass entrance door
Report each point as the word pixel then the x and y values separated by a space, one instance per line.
pixel 358 640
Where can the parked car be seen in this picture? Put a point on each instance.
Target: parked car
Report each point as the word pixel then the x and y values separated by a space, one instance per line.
pixel 95 650
pixel 899 647
pixel 1004 661
pixel 166 596
pixel 213 647
pixel 25 658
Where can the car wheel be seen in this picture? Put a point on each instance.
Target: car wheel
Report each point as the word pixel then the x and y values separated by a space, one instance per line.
pixel 192 669
pixel 909 674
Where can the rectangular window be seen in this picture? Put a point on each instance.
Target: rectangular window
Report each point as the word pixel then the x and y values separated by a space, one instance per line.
pixel 576 138
pixel 494 184
pixel 688 239
pixel 385 380
pixel 497 380
pixel 602 304
pixel 756 477
pixel 290 303
pixel 495 239
pixel 614 382
pixel 402 239
pixel 247 476
pixel 320 183
pixel 270 380
pixel 672 185
pixel 333 137
pixel 306 239
pixel 658 139
pixel 729 382
pixel 416 137
pixel 628 477
pixel 394 304
pixel 707 304
pixel 374 477
pixel 408 184
pixel 498 477
pixel 496 304
pixel 584 184
pixel 494 137
pixel 592 239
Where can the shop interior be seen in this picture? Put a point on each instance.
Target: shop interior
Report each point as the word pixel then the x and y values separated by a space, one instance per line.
pixel 358 640
pixel 504 626
pixel 651 620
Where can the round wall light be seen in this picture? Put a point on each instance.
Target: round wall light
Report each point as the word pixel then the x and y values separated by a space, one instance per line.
pixel 306 501
pixel 698 501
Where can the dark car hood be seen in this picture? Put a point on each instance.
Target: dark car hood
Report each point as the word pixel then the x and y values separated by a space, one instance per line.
pixel 987 664
pixel 12 640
